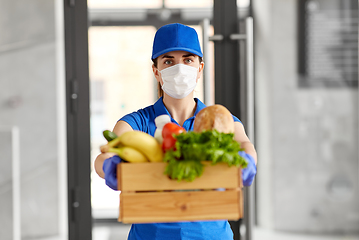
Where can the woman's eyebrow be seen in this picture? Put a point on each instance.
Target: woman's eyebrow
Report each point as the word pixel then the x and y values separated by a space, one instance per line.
pixel 167 56
pixel 189 55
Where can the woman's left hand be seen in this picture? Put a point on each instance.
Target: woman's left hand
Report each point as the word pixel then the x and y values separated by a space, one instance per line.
pixel 250 171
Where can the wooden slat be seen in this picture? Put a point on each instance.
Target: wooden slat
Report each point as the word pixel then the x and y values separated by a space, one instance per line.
pixel 120 213
pixel 148 207
pixel 151 177
pixel 240 203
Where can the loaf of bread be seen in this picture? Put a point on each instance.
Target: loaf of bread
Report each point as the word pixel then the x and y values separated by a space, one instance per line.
pixel 214 117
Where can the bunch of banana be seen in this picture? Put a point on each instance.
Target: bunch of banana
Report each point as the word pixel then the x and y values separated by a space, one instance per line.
pixel 133 146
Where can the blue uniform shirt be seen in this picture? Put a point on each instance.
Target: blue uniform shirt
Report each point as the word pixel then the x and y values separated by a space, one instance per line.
pixel 144 120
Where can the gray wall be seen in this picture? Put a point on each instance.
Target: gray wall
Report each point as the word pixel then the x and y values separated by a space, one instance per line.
pixel 307 138
pixel 29 102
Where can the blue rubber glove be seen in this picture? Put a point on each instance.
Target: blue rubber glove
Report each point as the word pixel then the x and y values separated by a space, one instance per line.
pixel 110 169
pixel 250 171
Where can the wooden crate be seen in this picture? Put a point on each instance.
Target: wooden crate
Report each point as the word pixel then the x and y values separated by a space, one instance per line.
pixel 148 195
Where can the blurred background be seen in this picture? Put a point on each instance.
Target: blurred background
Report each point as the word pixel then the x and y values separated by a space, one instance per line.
pixel 70 69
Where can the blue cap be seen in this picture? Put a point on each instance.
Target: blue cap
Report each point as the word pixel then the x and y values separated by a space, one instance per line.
pixel 176 37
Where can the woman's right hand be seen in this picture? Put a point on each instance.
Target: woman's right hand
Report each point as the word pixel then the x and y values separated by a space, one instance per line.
pixel 99 163
pixel 110 170
pixel 106 163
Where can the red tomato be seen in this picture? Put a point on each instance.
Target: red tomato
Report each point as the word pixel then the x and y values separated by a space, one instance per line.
pixel 168 130
pixel 171 128
pixel 168 143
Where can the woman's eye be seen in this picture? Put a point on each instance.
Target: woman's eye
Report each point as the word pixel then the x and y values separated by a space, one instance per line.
pixel 168 62
pixel 188 61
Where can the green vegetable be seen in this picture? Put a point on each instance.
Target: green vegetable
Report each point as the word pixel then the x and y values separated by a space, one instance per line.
pixel 184 170
pixel 192 148
pixel 109 135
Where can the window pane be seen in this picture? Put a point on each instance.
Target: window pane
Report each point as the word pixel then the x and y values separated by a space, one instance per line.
pixel 124 3
pixel 121 82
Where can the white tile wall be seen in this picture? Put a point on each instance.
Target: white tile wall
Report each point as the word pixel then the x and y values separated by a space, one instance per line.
pixel 6 185
pixel 28 100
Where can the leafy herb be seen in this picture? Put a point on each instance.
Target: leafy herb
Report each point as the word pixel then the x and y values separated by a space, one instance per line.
pixel 191 148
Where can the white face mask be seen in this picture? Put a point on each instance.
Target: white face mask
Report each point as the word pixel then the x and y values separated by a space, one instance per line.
pixel 179 80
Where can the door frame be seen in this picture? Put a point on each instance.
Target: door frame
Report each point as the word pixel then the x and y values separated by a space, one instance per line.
pixel 78 120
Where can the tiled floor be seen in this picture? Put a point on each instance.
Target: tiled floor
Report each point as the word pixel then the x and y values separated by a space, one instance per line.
pixel 262 234
pixel 119 231
pixel 110 231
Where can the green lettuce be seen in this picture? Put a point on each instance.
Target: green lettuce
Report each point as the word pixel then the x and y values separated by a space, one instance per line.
pixel 184 170
pixel 184 163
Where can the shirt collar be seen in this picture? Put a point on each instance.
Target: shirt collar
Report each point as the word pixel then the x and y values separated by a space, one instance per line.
pixel 200 106
pixel 160 108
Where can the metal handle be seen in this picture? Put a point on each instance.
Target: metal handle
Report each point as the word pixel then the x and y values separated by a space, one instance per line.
pixel 249 210
pixel 207 86
pixel 250 78
pixel 216 37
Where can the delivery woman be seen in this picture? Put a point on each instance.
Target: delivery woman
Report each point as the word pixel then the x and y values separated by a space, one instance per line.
pixel 177 66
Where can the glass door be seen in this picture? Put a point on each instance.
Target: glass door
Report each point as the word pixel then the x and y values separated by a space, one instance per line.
pixel 121 78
